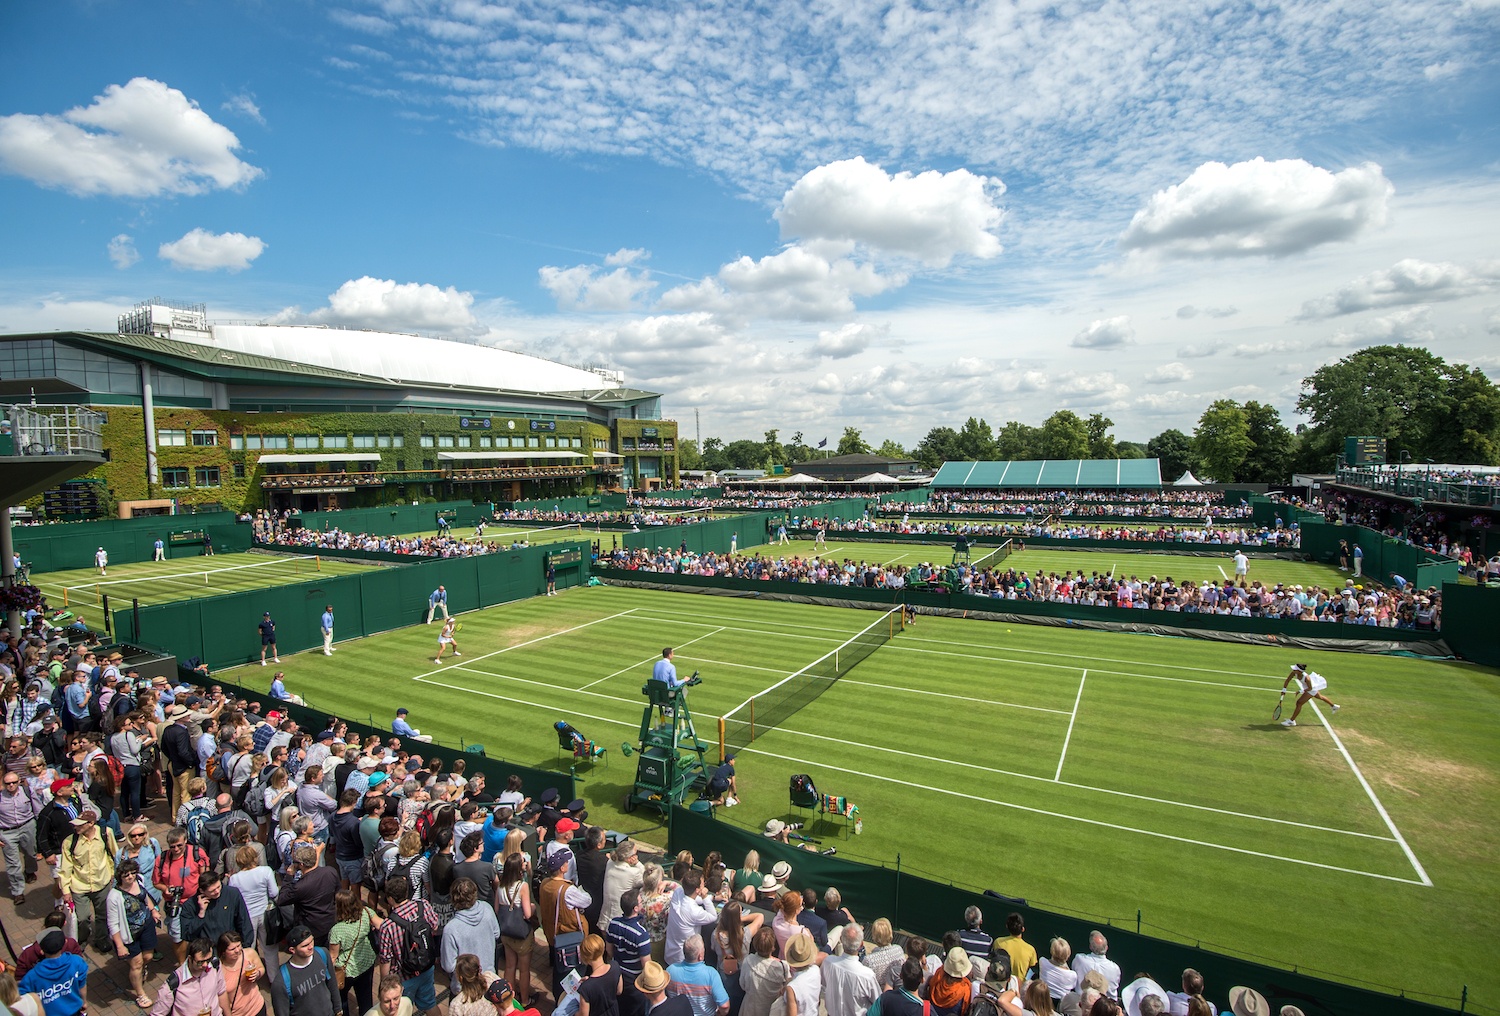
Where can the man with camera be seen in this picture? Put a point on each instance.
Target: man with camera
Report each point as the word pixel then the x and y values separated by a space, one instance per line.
pixel 176 875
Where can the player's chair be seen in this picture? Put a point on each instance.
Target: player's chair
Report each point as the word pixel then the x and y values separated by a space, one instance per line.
pixel 804 796
pixel 569 740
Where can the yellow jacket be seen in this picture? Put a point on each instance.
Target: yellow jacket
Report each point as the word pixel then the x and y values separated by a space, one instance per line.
pixel 87 863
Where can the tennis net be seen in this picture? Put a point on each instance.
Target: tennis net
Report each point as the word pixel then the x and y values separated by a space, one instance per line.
pixel 993 558
pixel 778 703
pixel 162 586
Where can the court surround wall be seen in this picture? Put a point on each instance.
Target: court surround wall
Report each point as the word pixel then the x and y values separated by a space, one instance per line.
pixel 929 908
pixel 69 545
pixel 220 630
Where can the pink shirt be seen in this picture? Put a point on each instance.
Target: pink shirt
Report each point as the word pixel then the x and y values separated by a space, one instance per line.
pixel 195 995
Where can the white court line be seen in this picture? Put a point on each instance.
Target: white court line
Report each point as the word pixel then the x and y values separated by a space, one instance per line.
pixel 1111 571
pixel 946 695
pixel 1421 872
pixel 647 660
pixel 530 642
pixel 907 754
pixel 1221 571
pixel 1080 818
pixel 1058 666
pixel 1071 720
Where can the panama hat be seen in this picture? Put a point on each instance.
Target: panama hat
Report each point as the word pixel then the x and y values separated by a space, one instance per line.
pixel 801 951
pixel 652 978
pixel 957 964
pixel 1248 1002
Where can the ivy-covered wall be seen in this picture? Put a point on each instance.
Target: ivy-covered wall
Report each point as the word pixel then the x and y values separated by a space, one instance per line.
pixel 125 444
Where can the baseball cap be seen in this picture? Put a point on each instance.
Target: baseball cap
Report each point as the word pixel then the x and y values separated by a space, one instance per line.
pixel 567 825
pixel 59 786
pixel 403 712
pixel 324 735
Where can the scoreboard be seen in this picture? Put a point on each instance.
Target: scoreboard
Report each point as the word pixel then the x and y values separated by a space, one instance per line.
pixel 1364 451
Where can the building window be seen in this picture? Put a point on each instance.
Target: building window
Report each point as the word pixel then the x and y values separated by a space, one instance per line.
pixel 532 442
pixel 552 442
pixel 364 440
pixel 445 441
pixel 427 441
pixel 502 442
pixel 239 470
pixel 383 441
pixel 485 441
pixel 465 441
pixel 627 443
pixel 172 439
pixel 335 441
pixel 236 442
pixel 174 477
pixel 205 438
pixel 206 476
pixel 273 443
pixel 397 441
pixel 307 442
pixel 575 442
pixel 427 464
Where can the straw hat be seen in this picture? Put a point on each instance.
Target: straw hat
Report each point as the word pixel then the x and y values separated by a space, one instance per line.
pixel 652 978
pixel 1248 1002
pixel 957 965
pixel 801 951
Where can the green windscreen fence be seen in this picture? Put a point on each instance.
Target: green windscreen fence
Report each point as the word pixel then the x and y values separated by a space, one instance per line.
pixel 930 907
pixel 495 770
pixel 73 545
pixel 1469 622
pixel 711 536
pixel 221 630
pixel 389 520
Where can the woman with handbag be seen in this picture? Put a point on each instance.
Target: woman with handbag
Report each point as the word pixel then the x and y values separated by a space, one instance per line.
pixel 513 905
pixel 132 916
pixel 241 970
pixel 351 949
pixel 561 904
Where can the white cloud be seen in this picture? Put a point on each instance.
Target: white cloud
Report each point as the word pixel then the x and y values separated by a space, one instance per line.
pixel 244 105
pixel 1492 321
pixel 1105 333
pixel 1169 373
pixel 1172 400
pixel 1439 71
pixel 850 340
pixel 1411 325
pixel 626 256
pixel 1259 208
pixel 795 283
pixel 1406 282
pixel 1199 350
pixel 1073 388
pixel 139 139
pixel 122 252
pixel 403 307
pixel 1189 312
pixel 930 216
pixel 586 287
pixel 201 251
pixel 1251 350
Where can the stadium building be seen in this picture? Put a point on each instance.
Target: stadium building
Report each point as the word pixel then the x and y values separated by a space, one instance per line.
pixel 243 416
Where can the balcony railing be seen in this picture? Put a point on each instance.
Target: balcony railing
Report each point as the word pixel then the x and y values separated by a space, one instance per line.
pixel 298 481
pixel 52 430
pixel 1413 484
pixel 514 473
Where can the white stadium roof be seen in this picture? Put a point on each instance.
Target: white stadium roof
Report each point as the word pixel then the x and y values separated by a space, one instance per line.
pixel 409 358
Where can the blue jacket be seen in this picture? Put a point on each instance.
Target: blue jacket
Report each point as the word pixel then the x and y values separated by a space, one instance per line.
pixel 59 980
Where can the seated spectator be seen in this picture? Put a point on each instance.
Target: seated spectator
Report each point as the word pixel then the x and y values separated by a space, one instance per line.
pixel 1054 969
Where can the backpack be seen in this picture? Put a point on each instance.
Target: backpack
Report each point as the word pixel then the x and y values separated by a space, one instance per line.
pixel 403 868
pixel 116 770
pixel 215 835
pixel 286 973
pixel 372 870
pixel 195 822
pixel 419 948
pixel 273 853
pixel 213 771
pixel 255 797
pixel 424 823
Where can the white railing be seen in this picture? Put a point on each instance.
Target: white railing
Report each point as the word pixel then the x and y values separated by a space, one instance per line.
pixel 54 430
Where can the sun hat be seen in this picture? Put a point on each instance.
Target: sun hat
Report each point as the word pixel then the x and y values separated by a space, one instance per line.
pixel 1291 1010
pixel 652 978
pixel 378 779
pixel 774 827
pixel 324 735
pixel 1245 1001
pixel 801 951
pixel 1132 993
pixel 957 963
pixel 768 884
pixel 782 870
pixel 366 762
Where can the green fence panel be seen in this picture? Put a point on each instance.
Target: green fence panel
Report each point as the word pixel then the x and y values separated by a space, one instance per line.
pixel 381 605
pixel 73 545
pixel 460 577
pixel 1469 614
pixel 386 520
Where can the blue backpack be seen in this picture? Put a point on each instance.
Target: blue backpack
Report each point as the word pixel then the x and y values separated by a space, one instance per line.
pixel 286 970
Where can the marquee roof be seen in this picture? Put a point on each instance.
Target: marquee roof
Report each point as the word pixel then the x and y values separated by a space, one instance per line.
pixel 1053 474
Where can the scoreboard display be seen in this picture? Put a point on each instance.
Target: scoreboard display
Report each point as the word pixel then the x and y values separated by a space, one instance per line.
pixel 564 557
pixel 1364 451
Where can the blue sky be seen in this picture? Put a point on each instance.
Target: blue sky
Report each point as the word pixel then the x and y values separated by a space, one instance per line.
pixel 888 216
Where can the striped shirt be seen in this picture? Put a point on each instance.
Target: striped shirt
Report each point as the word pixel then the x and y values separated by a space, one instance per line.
pixel 629 944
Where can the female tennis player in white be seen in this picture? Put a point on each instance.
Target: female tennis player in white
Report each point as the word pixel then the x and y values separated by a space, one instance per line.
pixel 446 639
pixel 1310 685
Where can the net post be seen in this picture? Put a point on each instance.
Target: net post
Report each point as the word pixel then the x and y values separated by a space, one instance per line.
pixel 317 562
pixel 107 627
pixel 752 719
pixel 65 596
pixel 722 747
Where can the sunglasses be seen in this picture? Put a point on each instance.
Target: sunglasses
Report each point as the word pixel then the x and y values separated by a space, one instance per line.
pixel 137 836
pixel 12 783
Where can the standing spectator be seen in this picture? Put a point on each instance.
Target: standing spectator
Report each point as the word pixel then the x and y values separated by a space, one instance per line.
pixel 514 893
pixel 132 917
pixel 19 808
pixel 242 971
pixel 652 983
pixel 316 805
pixel 127 745
pixel 87 871
pixel 326 624
pixel 692 908
pixel 473 929
pixel 807 979
pixel 732 937
pixel 412 924
pixel 622 874
pixel 348 848
pixel 254 880
pixel 601 989
pixel 349 948
pixel 561 905
pixel 182 758
pixel 60 977
pixel 267 629
pixel 474 984
pixel 305 983
pixel 630 947
pixel 310 891
pixel 592 862
pixel 215 909
pixel 176 878
pixel 199 985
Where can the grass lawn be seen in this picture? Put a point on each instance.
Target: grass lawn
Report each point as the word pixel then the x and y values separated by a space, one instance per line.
pixel 1090 772
pixel 1178 566
pixel 182 578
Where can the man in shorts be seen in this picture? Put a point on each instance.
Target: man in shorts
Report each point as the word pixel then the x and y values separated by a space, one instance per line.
pixel 1310 685
pixel 268 639
pixel 1241 565
pixel 446 639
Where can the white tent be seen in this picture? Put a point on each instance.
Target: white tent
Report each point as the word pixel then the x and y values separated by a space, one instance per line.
pixel 1187 479
pixel 876 478
pixel 797 478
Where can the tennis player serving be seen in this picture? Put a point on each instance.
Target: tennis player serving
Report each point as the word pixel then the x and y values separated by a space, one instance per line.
pixel 446 639
pixel 1310 685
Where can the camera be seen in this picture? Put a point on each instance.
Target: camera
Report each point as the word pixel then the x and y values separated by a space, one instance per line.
pixel 174 900
pixel 793 826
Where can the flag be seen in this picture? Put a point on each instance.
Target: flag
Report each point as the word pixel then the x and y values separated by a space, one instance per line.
pixel 823 443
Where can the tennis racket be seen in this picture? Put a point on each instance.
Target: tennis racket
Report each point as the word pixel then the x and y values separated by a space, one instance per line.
pixel 459 626
pixel 1276 713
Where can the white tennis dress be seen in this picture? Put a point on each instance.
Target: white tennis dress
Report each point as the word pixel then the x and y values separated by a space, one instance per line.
pixel 1313 682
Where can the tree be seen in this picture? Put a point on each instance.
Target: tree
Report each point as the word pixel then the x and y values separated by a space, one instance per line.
pixel 745 454
pixel 1222 440
pixel 1130 450
pixel 975 441
pixel 939 446
pixel 1101 444
pixel 852 443
pixel 1064 436
pixel 713 454
pixel 1175 450
pixel 688 456
pixel 798 451
pixel 890 448
pixel 1019 441
pixel 1418 402
pixel 775 453
pixel 1272 447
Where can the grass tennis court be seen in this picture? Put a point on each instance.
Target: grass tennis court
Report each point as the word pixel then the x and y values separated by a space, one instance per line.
pixel 181 578
pixel 1178 566
pixel 1088 772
